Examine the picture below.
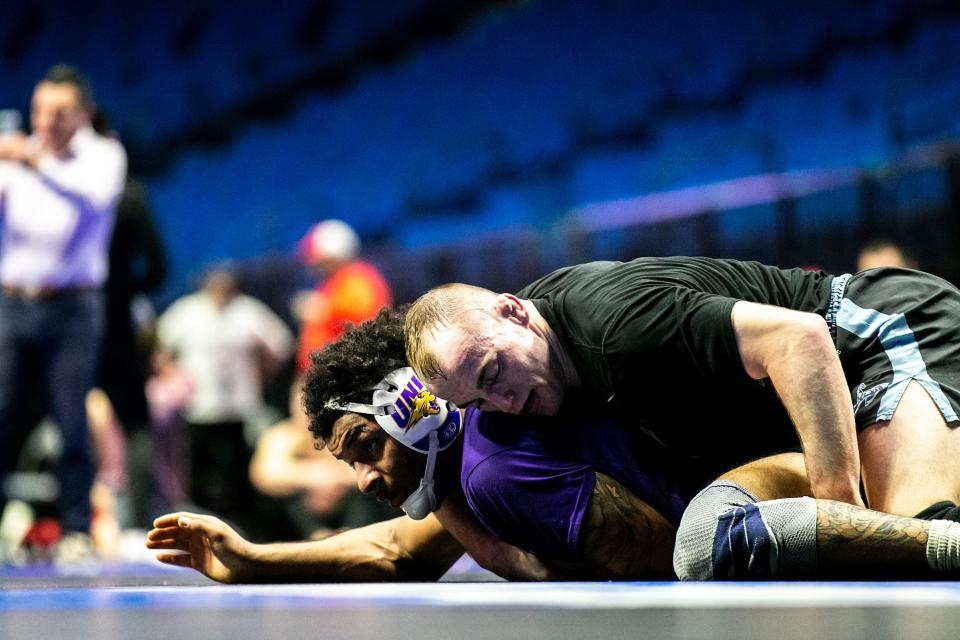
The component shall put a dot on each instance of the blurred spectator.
(137, 266)
(226, 343)
(881, 252)
(169, 390)
(58, 190)
(318, 493)
(110, 482)
(349, 291)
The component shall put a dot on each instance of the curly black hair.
(344, 369)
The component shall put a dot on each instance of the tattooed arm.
(853, 542)
(621, 538)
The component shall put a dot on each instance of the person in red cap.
(350, 290)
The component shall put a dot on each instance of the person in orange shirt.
(350, 290)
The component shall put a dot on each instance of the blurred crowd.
(112, 413)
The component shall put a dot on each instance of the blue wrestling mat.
(47, 603)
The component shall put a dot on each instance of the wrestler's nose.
(367, 477)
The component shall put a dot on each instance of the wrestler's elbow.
(812, 327)
(772, 340)
(807, 344)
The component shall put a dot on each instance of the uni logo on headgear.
(413, 404)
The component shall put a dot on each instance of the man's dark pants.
(62, 331)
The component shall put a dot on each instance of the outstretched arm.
(398, 550)
(795, 351)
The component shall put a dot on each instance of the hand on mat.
(201, 542)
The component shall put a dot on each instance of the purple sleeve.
(531, 501)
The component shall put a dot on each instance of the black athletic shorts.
(892, 326)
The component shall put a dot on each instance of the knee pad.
(725, 534)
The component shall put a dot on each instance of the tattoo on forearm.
(622, 535)
(841, 523)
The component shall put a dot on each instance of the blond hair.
(437, 309)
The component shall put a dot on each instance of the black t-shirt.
(654, 338)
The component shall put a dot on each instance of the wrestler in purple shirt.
(529, 480)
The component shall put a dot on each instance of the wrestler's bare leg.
(911, 461)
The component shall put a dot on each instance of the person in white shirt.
(226, 342)
(58, 190)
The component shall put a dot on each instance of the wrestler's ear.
(510, 308)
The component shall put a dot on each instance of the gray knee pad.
(725, 534)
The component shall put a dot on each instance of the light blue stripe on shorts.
(901, 348)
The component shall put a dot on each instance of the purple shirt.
(529, 480)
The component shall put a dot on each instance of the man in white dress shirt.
(227, 343)
(58, 190)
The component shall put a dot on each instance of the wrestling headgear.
(417, 419)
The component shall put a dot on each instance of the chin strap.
(423, 501)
